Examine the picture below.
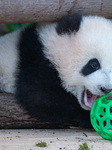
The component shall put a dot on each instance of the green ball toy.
(101, 116)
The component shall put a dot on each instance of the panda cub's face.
(94, 56)
(81, 50)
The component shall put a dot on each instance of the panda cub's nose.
(106, 91)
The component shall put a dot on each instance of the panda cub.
(57, 70)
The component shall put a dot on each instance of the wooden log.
(12, 116)
(12, 11)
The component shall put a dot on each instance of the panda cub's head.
(81, 50)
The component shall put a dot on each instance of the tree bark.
(12, 11)
(12, 116)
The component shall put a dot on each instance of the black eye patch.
(90, 67)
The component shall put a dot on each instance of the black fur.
(69, 23)
(90, 67)
(39, 88)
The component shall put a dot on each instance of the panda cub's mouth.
(88, 98)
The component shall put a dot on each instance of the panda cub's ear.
(69, 24)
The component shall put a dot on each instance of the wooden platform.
(61, 139)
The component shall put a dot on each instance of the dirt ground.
(60, 139)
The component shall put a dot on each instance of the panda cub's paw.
(85, 124)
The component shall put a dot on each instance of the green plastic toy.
(101, 116)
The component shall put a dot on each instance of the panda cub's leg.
(9, 60)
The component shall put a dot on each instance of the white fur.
(69, 53)
(8, 61)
